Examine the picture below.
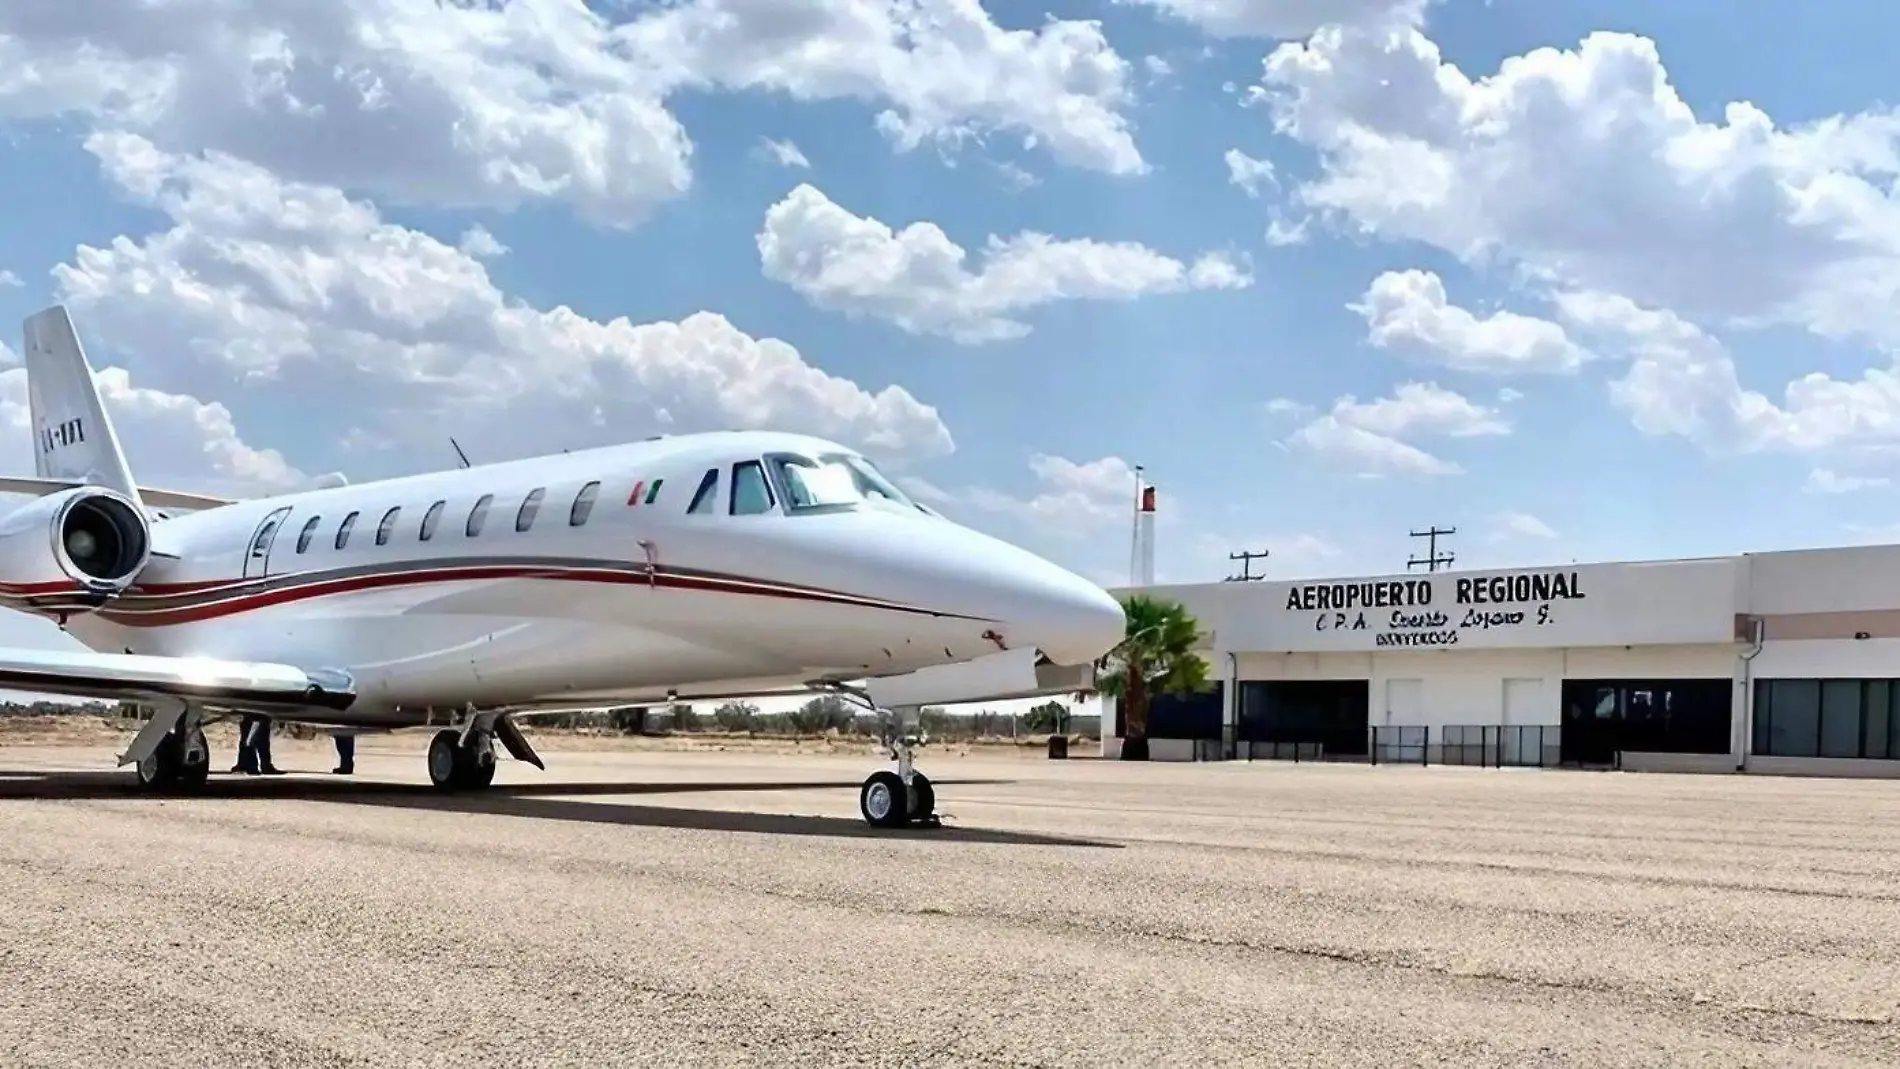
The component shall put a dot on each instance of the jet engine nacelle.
(87, 534)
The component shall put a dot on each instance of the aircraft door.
(257, 555)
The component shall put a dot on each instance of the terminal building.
(1785, 662)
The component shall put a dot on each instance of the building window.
(477, 515)
(431, 518)
(530, 505)
(583, 504)
(388, 525)
(1855, 718)
(343, 532)
(309, 531)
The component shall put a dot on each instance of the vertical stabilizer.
(73, 437)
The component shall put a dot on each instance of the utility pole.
(1246, 560)
(1432, 560)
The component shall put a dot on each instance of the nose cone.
(1068, 618)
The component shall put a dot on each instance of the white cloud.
(1248, 173)
(257, 278)
(1071, 498)
(784, 153)
(1827, 481)
(1586, 169)
(1280, 19)
(493, 105)
(1683, 381)
(9, 280)
(917, 278)
(480, 244)
(1369, 438)
(170, 440)
(1510, 525)
(947, 73)
(1409, 310)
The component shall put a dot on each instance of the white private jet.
(731, 564)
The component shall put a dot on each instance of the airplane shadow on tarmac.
(541, 801)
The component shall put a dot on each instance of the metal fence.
(1257, 750)
(1400, 745)
(1500, 745)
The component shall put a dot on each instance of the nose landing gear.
(895, 799)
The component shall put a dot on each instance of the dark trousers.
(345, 753)
(254, 744)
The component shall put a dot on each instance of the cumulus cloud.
(1585, 168)
(1409, 310)
(1828, 481)
(918, 279)
(1370, 438)
(1682, 381)
(493, 105)
(171, 440)
(257, 278)
(1280, 19)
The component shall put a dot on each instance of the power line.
(1432, 559)
(1246, 560)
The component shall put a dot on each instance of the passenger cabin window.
(706, 498)
(389, 524)
(530, 505)
(343, 532)
(431, 518)
(478, 515)
(751, 493)
(308, 532)
(583, 504)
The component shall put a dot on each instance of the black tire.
(160, 770)
(881, 800)
(923, 799)
(445, 761)
(194, 761)
(480, 773)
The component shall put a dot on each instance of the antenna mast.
(458, 450)
(1246, 559)
(1432, 560)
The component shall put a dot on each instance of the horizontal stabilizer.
(251, 686)
(173, 499)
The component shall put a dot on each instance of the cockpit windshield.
(835, 479)
(810, 484)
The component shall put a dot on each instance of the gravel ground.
(730, 909)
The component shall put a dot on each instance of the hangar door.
(1335, 713)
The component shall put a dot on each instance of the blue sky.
(1578, 344)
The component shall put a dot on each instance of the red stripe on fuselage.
(129, 613)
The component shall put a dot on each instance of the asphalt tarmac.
(732, 910)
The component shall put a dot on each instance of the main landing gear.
(463, 758)
(893, 799)
(171, 751)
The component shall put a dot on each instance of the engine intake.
(86, 536)
(102, 540)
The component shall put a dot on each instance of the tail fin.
(73, 436)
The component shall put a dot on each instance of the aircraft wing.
(245, 686)
(173, 499)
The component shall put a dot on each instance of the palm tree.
(1156, 657)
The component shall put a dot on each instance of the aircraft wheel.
(194, 766)
(445, 761)
(161, 767)
(481, 770)
(882, 800)
(923, 799)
